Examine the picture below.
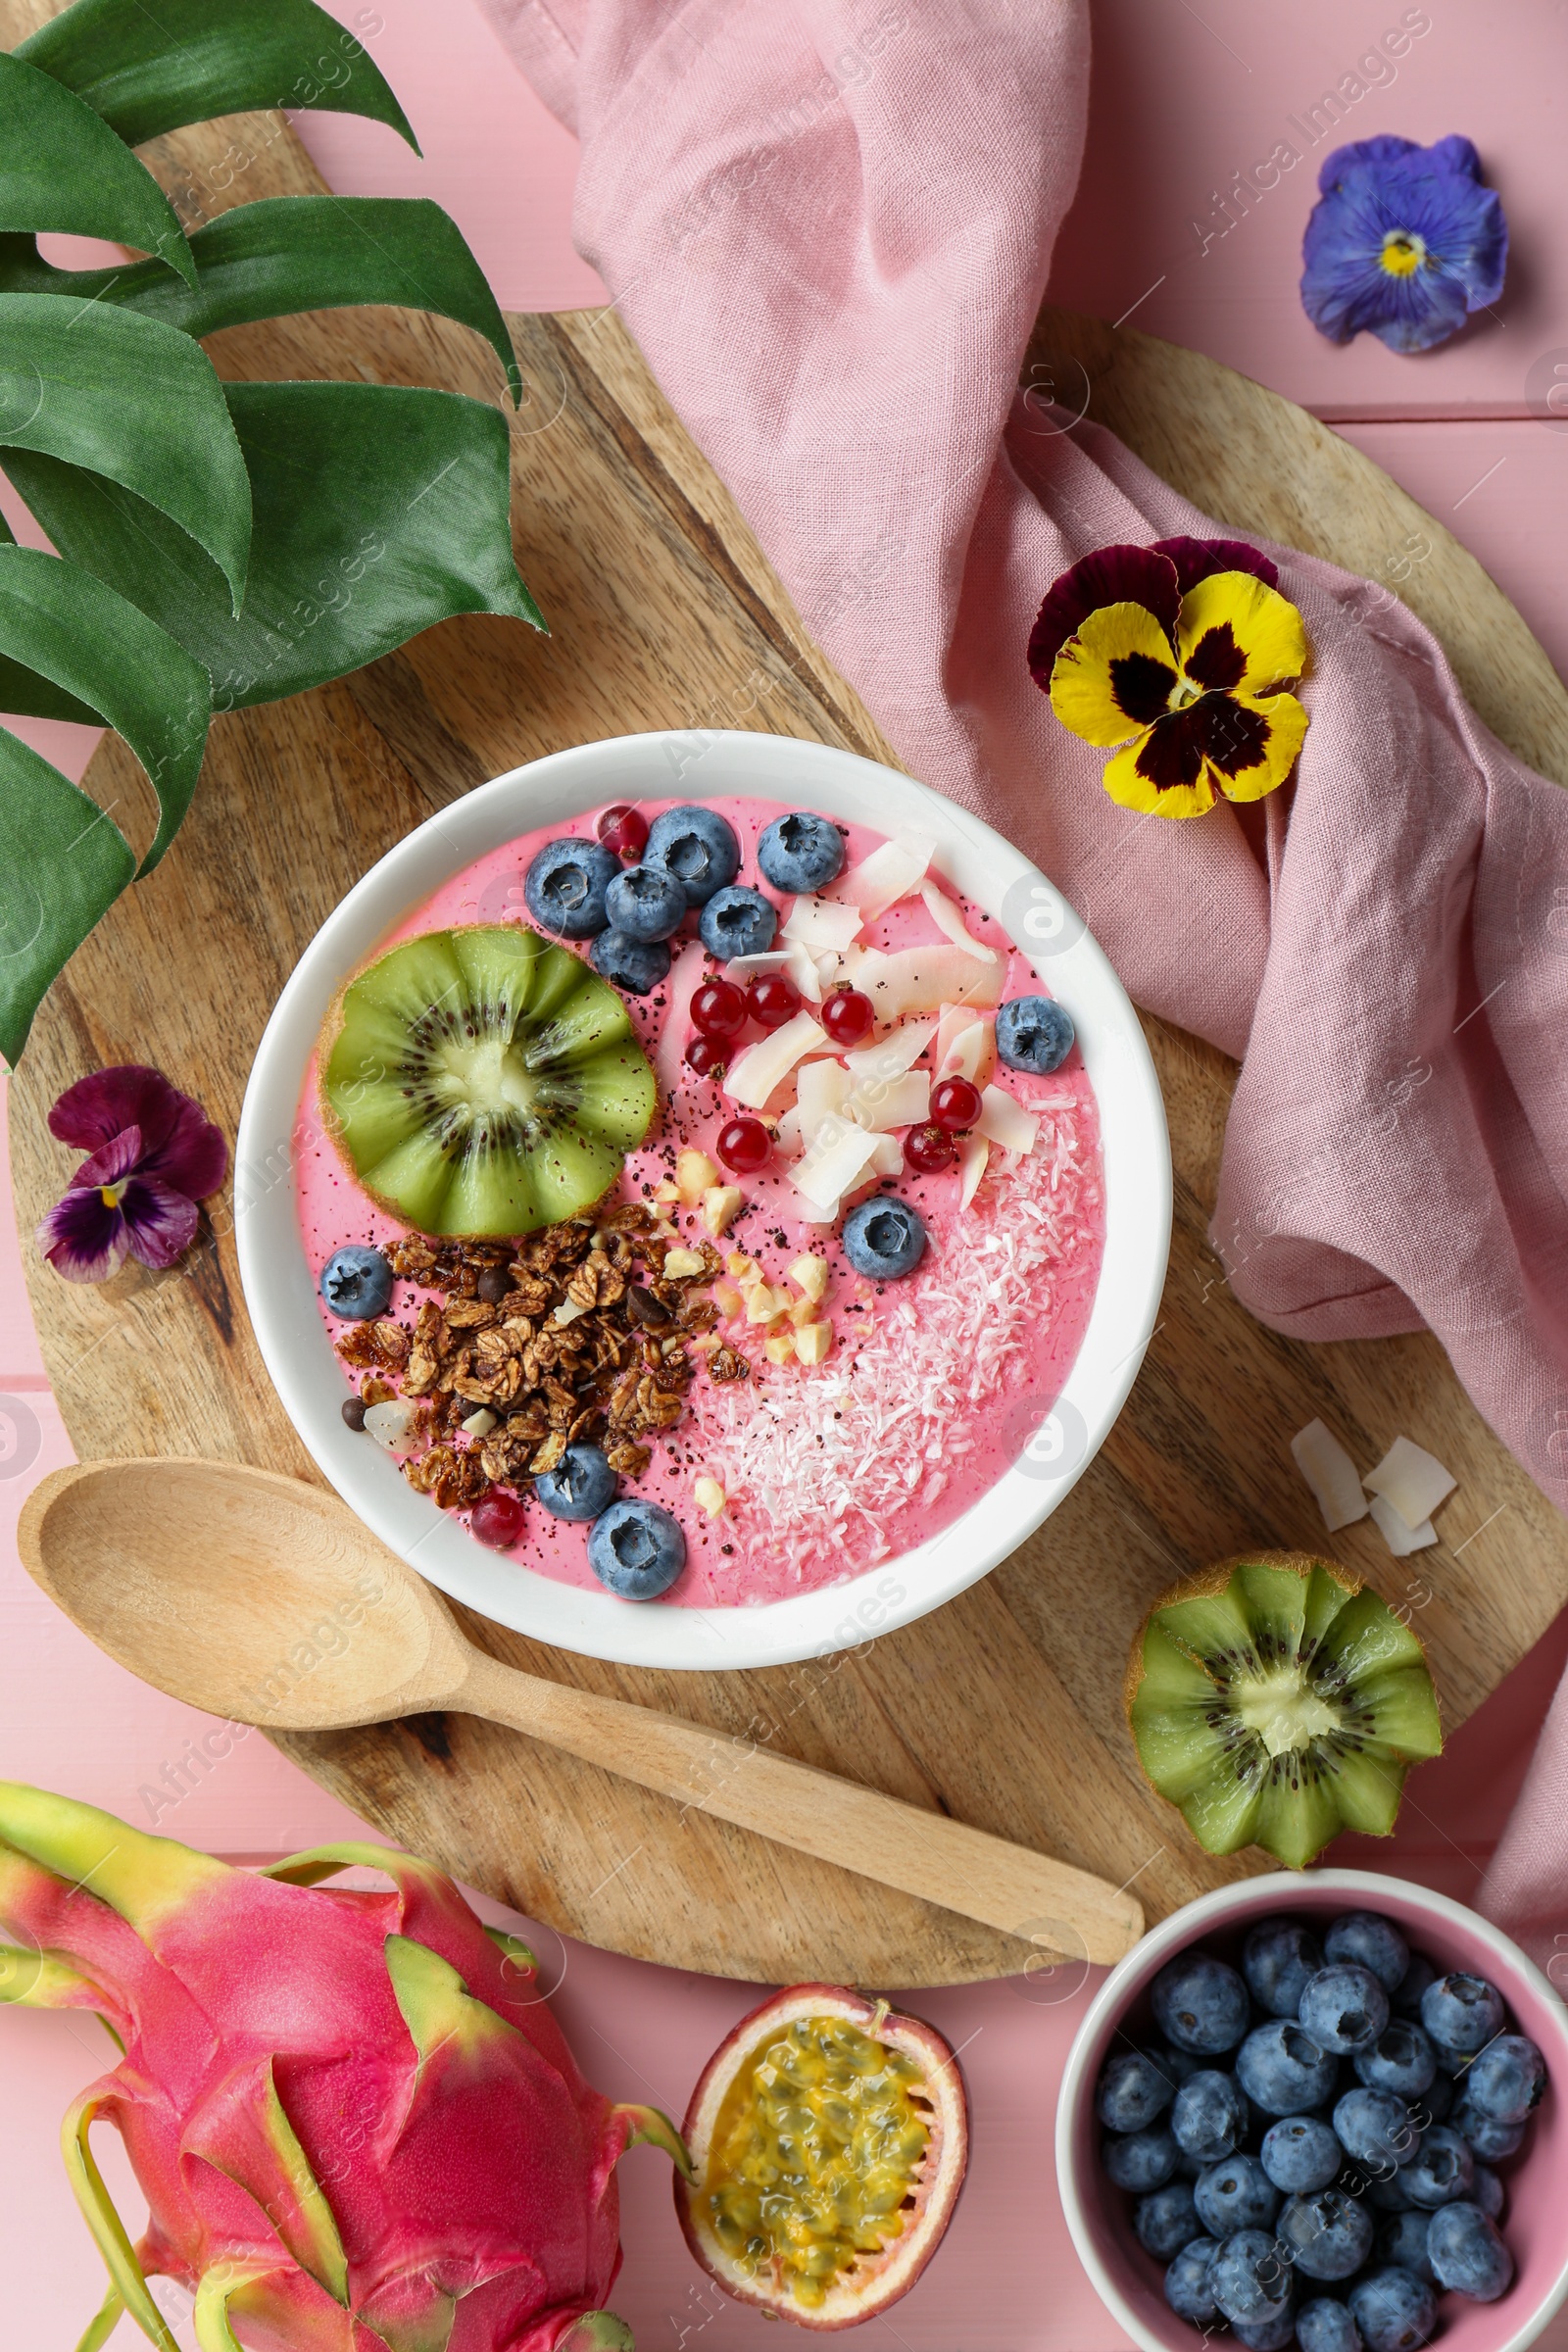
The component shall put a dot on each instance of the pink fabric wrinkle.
(829, 227)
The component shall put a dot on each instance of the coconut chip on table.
(1405, 1488)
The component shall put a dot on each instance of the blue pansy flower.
(1403, 241)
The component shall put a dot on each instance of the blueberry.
(1034, 1033)
(1375, 2128)
(1406, 1998)
(1437, 2099)
(1464, 2248)
(1186, 2283)
(883, 1238)
(1168, 2221)
(1277, 1959)
(1507, 2078)
(1201, 2004)
(637, 1549)
(1344, 2008)
(1282, 2069)
(1393, 2310)
(634, 964)
(1131, 2090)
(1328, 2233)
(1486, 2191)
(800, 852)
(1384, 2188)
(1140, 2161)
(1236, 2194)
(1443, 2172)
(1487, 2138)
(1401, 2059)
(1210, 2116)
(1461, 2013)
(1370, 1941)
(698, 848)
(565, 884)
(1301, 2152)
(646, 903)
(357, 1281)
(1271, 2334)
(1177, 2066)
(1250, 2277)
(1402, 2241)
(737, 922)
(580, 1485)
(1324, 2325)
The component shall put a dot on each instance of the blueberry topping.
(1402, 2241)
(1237, 2194)
(634, 964)
(1486, 2191)
(646, 903)
(1484, 2135)
(1283, 2071)
(1370, 1941)
(1406, 1999)
(1401, 2059)
(1467, 2253)
(698, 846)
(1201, 2004)
(738, 921)
(565, 884)
(1271, 2334)
(1277, 1959)
(1168, 2221)
(1393, 2310)
(800, 852)
(1186, 2283)
(357, 1281)
(1250, 2277)
(580, 1485)
(1034, 1033)
(1329, 2235)
(1506, 2081)
(1374, 2127)
(1461, 2013)
(1140, 2160)
(1210, 2116)
(884, 1239)
(637, 1549)
(1442, 2172)
(1324, 2325)
(1132, 2092)
(1344, 2008)
(1300, 2153)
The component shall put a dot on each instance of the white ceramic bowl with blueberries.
(1325, 2111)
(559, 790)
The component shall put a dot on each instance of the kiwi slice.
(483, 1081)
(1277, 1702)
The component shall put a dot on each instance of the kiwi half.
(1277, 1702)
(483, 1081)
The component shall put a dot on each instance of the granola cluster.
(592, 1330)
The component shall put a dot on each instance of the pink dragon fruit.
(357, 2125)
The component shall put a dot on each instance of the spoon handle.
(1050, 1905)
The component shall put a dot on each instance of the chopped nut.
(569, 1312)
(744, 1268)
(662, 1233)
(725, 1364)
(728, 1300)
(706, 1341)
(765, 1304)
(811, 1274)
(803, 1311)
(780, 1348)
(710, 1496)
(480, 1424)
(695, 1174)
(666, 1192)
(550, 1453)
(681, 1264)
(813, 1341)
(721, 1205)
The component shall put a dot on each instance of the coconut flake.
(1003, 1120)
(970, 1051)
(973, 1152)
(838, 1159)
(949, 918)
(753, 1075)
(904, 1103)
(821, 928)
(925, 979)
(890, 1055)
(889, 874)
(1412, 1480)
(1399, 1536)
(1330, 1474)
(684, 979)
(887, 1155)
(820, 1087)
(390, 1422)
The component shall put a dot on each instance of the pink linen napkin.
(828, 225)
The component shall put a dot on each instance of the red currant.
(773, 1000)
(743, 1146)
(718, 1009)
(956, 1105)
(624, 830)
(706, 1056)
(848, 1016)
(929, 1149)
(498, 1521)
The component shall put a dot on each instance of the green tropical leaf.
(116, 665)
(63, 863)
(151, 70)
(379, 510)
(285, 253)
(131, 400)
(61, 168)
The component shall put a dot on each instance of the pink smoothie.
(933, 1384)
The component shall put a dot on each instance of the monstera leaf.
(217, 545)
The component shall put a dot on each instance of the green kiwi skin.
(560, 1034)
(1368, 1667)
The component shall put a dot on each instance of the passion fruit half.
(828, 2137)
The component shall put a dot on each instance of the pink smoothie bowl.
(1534, 2220)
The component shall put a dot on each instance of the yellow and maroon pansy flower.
(1176, 655)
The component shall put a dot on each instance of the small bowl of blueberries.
(1326, 2111)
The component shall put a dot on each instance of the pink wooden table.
(1184, 96)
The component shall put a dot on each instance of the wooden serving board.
(1004, 1709)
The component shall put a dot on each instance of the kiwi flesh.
(483, 1082)
(1277, 1701)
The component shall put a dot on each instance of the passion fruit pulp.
(828, 2137)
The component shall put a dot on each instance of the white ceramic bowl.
(1536, 2220)
(309, 1378)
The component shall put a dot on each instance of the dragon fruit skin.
(357, 2125)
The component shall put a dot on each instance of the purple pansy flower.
(1403, 241)
(155, 1154)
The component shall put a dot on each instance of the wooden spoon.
(260, 1599)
